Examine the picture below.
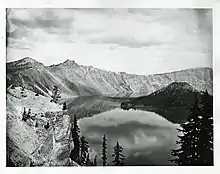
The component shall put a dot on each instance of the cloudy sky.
(141, 41)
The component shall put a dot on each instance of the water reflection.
(147, 138)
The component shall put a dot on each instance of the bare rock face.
(61, 143)
(47, 143)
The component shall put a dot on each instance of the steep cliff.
(79, 80)
(30, 143)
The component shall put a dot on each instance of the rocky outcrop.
(78, 80)
(61, 143)
(40, 146)
(31, 144)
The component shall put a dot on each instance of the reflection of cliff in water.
(87, 106)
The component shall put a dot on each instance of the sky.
(140, 41)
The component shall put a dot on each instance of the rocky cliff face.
(30, 143)
(78, 80)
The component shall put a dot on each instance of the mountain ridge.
(117, 72)
(80, 80)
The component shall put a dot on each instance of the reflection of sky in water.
(146, 137)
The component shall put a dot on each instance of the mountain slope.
(78, 80)
(176, 94)
(172, 102)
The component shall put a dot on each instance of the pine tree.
(74, 155)
(24, 115)
(88, 161)
(36, 124)
(55, 94)
(196, 134)
(95, 161)
(29, 113)
(118, 156)
(23, 92)
(64, 106)
(84, 149)
(47, 125)
(206, 132)
(104, 151)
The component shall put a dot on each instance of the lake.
(147, 138)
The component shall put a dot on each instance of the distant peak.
(69, 62)
(28, 59)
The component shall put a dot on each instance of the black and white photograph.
(109, 87)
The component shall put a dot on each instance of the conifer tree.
(74, 155)
(118, 156)
(29, 113)
(24, 115)
(23, 92)
(88, 161)
(55, 94)
(84, 149)
(104, 151)
(36, 124)
(95, 161)
(196, 135)
(205, 147)
(64, 106)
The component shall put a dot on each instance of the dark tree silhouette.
(118, 156)
(95, 161)
(64, 106)
(36, 124)
(32, 164)
(24, 115)
(88, 161)
(29, 113)
(23, 92)
(55, 94)
(84, 148)
(74, 155)
(104, 151)
(196, 137)
(47, 125)
(205, 147)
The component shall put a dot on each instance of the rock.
(61, 143)
(27, 144)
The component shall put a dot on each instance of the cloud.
(128, 42)
(18, 33)
(113, 35)
(41, 18)
(38, 24)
